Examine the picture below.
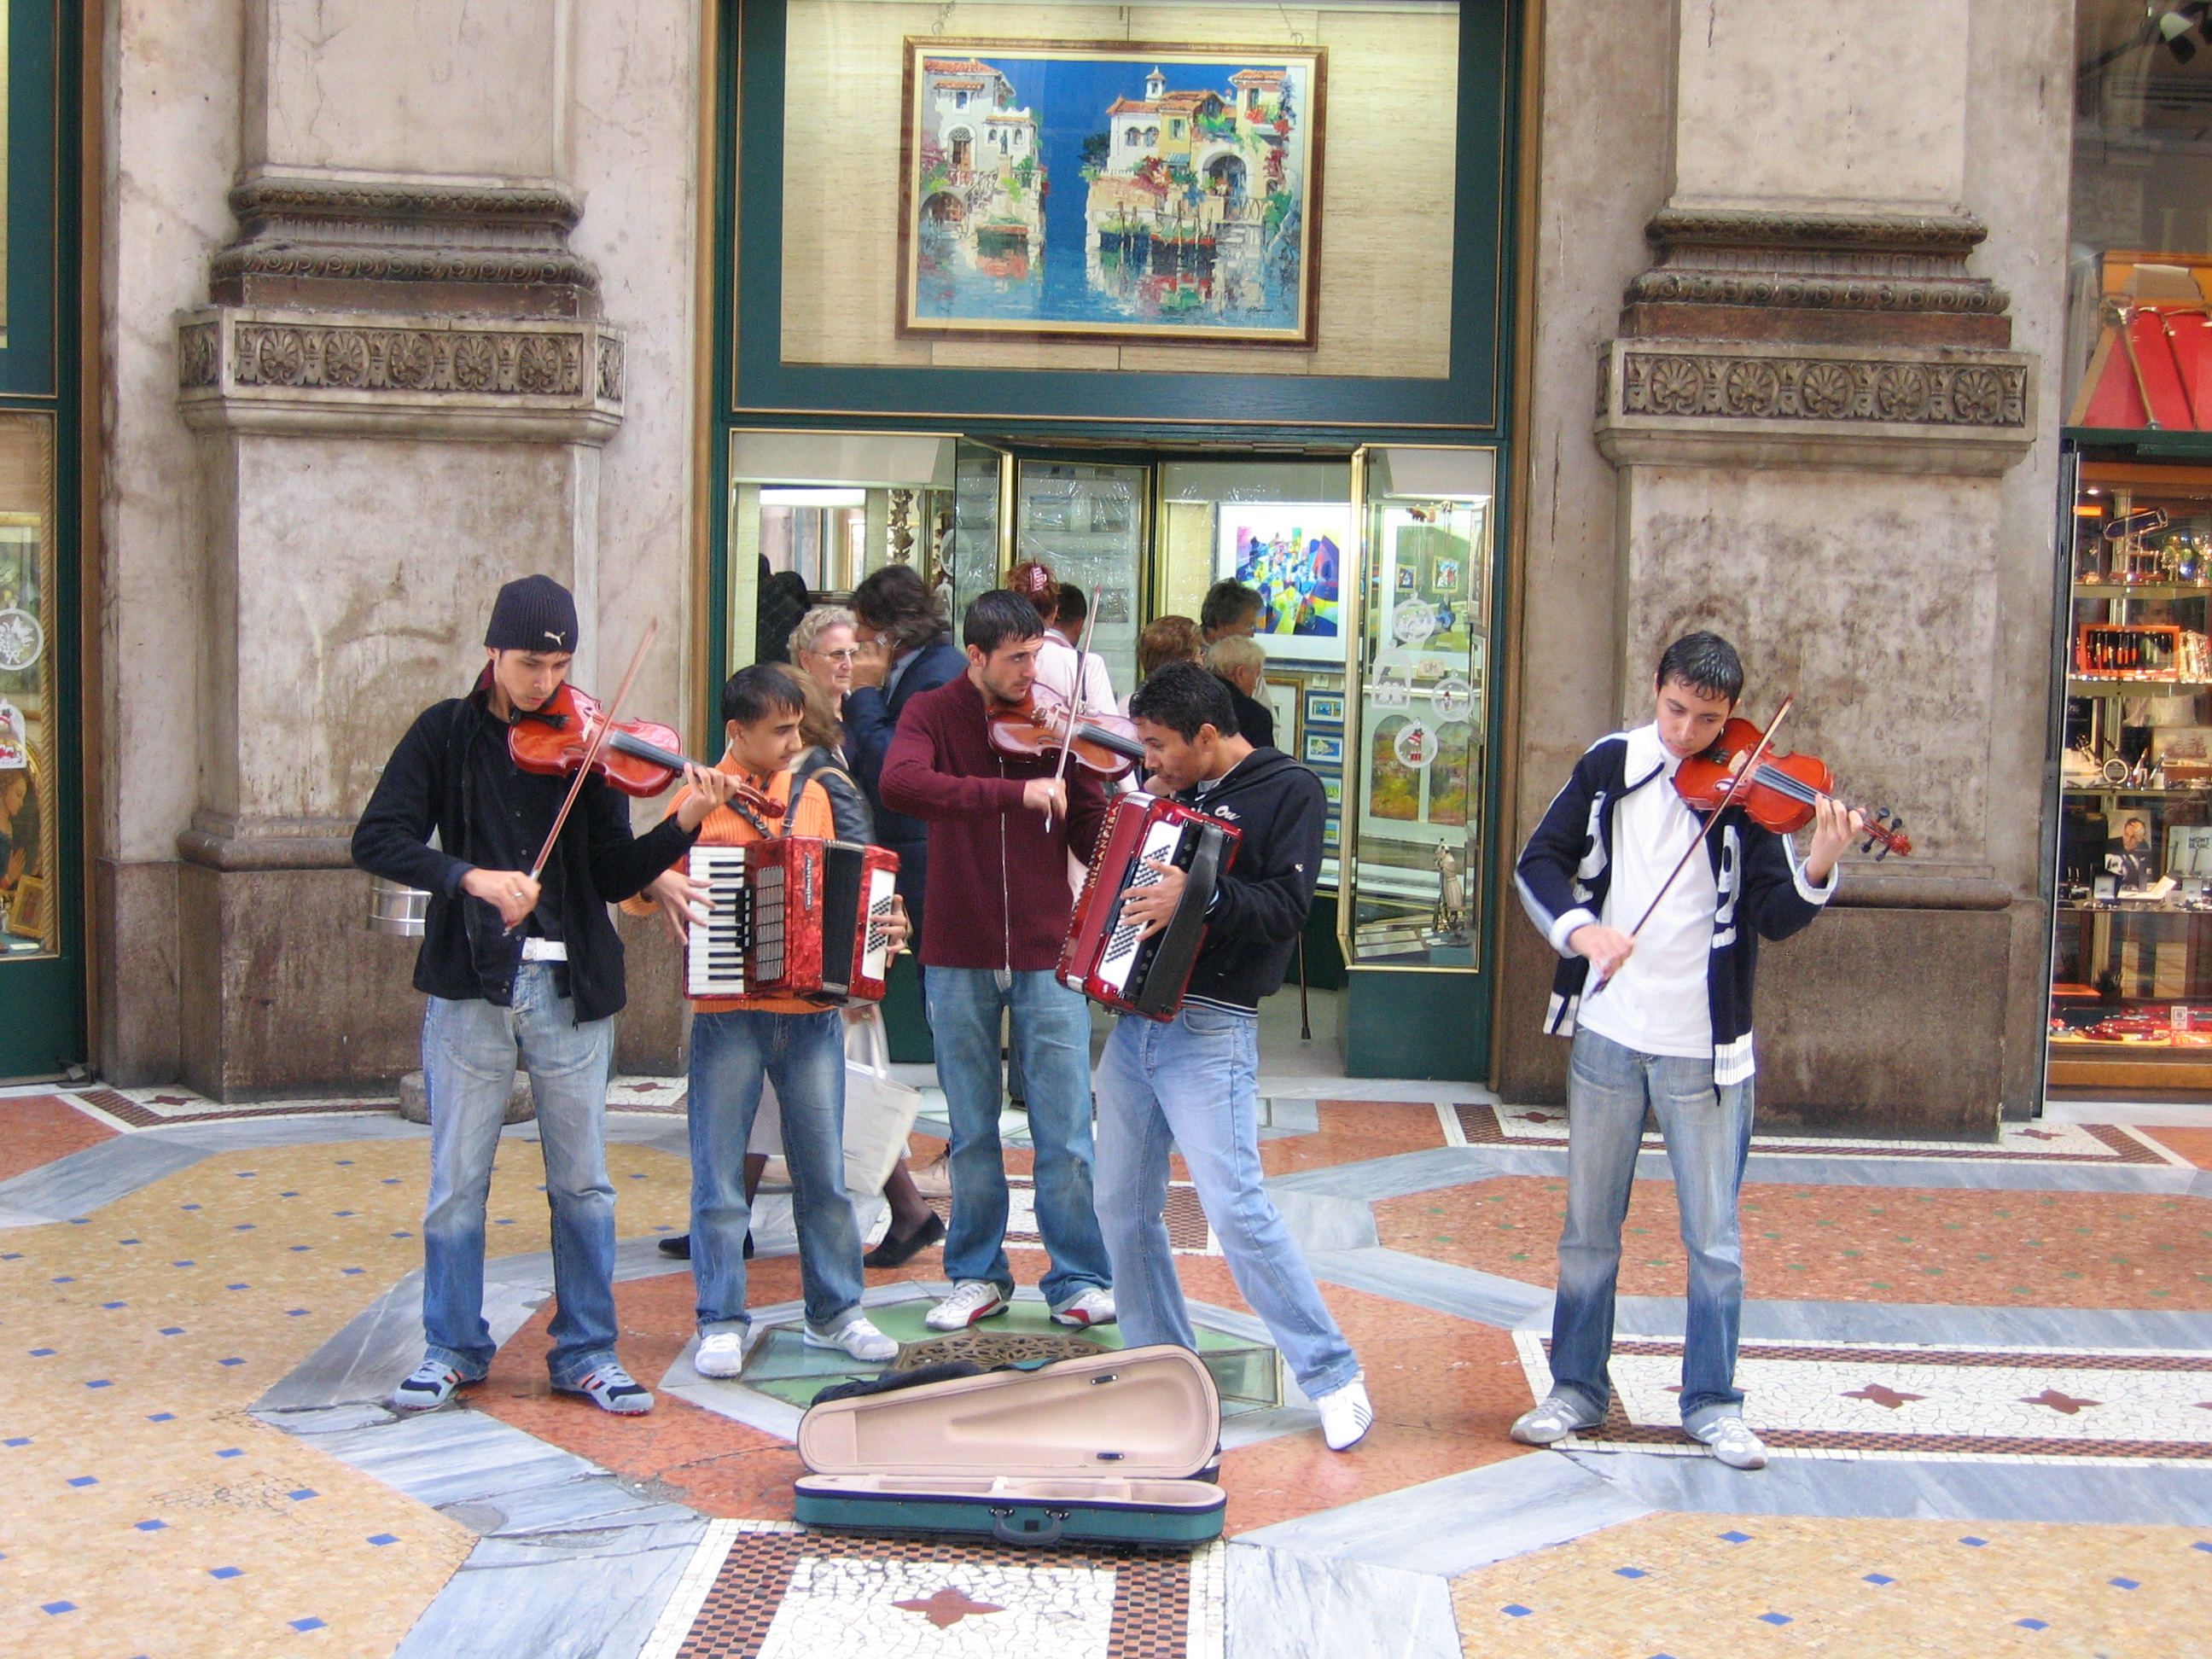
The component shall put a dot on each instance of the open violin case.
(1104, 1448)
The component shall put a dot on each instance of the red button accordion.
(797, 916)
(1104, 958)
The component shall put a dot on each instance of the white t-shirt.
(1656, 1004)
(1058, 668)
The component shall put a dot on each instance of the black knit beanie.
(534, 613)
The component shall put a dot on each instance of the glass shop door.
(1090, 522)
(1415, 866)
(41, 950)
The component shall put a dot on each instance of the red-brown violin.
(1781, 792)
(1105, 743)
(639, 758)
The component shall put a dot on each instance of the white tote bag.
(879, 1109)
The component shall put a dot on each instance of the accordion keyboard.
(1119, 959)
(715, 957)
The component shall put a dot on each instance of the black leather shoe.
(896, 1251)
(678, 1245)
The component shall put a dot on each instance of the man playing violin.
(1665, 1025)
(517, 965)
(1001, 828)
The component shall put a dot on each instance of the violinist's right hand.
(511, 892)
(1608, 948)
(682, 901)
(1046, 795)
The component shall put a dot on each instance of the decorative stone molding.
(1726, 402)
(555, 380)
(403, 243)
(218, 841)
(1843, 279)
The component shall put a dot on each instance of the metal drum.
(393, 908)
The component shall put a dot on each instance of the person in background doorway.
(1080, 679)
(905, 649)
(783, 600)
(1166, 639)
(1240, 663)
(1230, 608)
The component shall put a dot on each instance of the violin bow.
(1736, 787)
(1074, 704)
(598, 742)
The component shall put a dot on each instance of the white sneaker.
(972, 1299)
(1346, 1415)
(1732, 1442)
(1550, 1419)
(1093, 1307)
(721, 1353)
(858, 1338)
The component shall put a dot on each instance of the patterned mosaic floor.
(155, 1515)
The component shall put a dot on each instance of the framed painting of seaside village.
(1119, 189)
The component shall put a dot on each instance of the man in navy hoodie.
(1665, 1025)
(1192, 1084)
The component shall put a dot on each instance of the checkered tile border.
(1152, 1593)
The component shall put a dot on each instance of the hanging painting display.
(1119, 189)
(1291, 553)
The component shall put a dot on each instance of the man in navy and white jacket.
(1665, 1024)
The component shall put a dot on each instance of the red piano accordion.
(797, 916)
(1104, 958)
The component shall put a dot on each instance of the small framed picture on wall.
(1324, 708)
(1324, 749)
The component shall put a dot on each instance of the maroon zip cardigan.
(998, 880)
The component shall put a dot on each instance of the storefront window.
(1086, 524)
(2141, 264)
(30, 872)
(1418, 765)
(812, 513)
(1284, 528)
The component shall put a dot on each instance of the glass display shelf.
(2142, 590)
(2173, 792)
(2078, 687)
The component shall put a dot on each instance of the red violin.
(1105, 743)
(1780, 792)
(639, 758)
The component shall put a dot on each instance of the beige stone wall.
(1386, 224)
(1910, 613)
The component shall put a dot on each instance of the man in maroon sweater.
(1000, 830)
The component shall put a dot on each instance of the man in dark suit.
(905, 648)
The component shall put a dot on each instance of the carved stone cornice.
(553, 380)
(1726, 403)
(403, 243)
(1841, 278)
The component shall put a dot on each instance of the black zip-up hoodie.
(1260, 906)
(436, 781)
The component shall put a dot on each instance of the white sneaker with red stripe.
(972, 1299)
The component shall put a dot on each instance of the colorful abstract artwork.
(1092, 188)
(1291, 553)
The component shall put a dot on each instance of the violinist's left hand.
(710, 787)
(1835, 826)
(1153, 907)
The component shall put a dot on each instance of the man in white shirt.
(1661, 1019)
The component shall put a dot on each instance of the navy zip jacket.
(1566, 869)
(1260, 906)
(871, 721)
(451, 773)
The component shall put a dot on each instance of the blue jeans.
(1193, 1084)
(806, 1055)
(1708, 1135)
(1052, 1032)
(469, 1053)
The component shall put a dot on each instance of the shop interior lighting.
(784, 496)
